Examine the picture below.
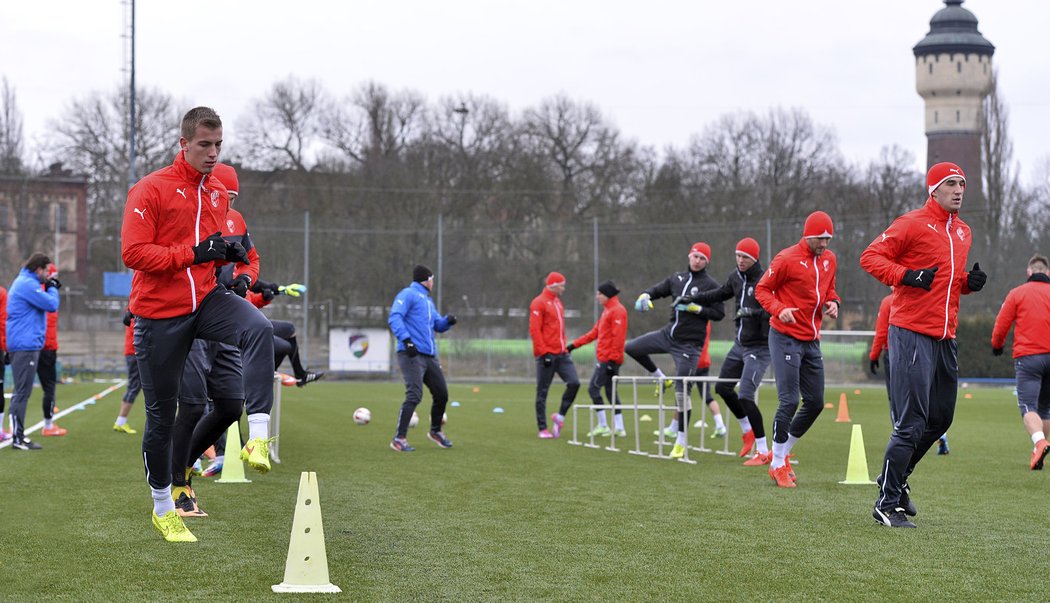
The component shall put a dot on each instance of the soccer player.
(1028, 306)
(4, 436)
(134, 383)
(703, 369)
(46, 366)
(797, 290)
(414, 319)
(172, 238)
(683, 336)
(27, 304)
(611, 333)
(923, 256)
(879, 348)
(748, 359)
(547, 330)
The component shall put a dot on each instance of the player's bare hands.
(787, 315)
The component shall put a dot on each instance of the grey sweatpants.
(23, 370)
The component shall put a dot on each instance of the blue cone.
(497, 409)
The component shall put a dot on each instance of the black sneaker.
(187, 507)
(894, 518)
(309, 378)
(906, 503)
(25, 444)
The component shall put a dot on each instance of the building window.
(957, 117)
(61, 217)
(931, 68)
(958, 67)
(5, 217)
(935, 116)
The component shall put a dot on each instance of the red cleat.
(780, 476)
(759, 459)
(1040, 452)
(749, 443)
(54, 430)
(791, 470)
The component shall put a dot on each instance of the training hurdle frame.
(703, 385)
(275, 420)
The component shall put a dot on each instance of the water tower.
(953, 73)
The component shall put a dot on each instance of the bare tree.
(1002, 191)
(11, 150)
(374, 124)
(283, 130)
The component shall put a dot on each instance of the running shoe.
(256, 452)
(401, 445)
(599, 431)
(172, 528)
(125, 428)
(749, 442)
(439, 438)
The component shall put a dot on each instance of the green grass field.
(505, 516)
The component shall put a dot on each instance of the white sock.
(602, 420)
(121, 421)
(745, 424)
(681, 438)
(673, 425)
(162, 502)
(1037, 436)
(259, 426)
(218, 459)
(618, 420)
(779, 454)
(719, 424)
(761, 446)
(48, 423)
(559, 417)
(790, 444)
(658, 373)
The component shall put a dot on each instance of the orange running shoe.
(759, 459)
(1040, 452)
(749, 442)
(780, 476)
(55, 430)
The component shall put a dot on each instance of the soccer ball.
(362, 416)
(414, 420)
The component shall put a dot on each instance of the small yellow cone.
(843, 410)
(232, 466)
(306, 570)
(968, 396)
(857, 465)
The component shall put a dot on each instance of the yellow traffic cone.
(857, 465)
(232, 466)
(306, 570)
(843, 410)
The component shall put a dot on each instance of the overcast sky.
(660, 70)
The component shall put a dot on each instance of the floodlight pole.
(131, 105)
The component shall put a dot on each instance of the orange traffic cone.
(843, 410)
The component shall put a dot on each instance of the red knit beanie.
(702, 248)
(555, 278)
(748, 247)
(818, 224)
(941, 172)
(227, 176)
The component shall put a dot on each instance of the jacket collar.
(419, 287)
(804, 247)
(186, 171)
(754, 270)
(612, 301)
(547, 293)
(1039, 277)
(939, 212)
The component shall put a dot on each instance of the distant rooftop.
(953, 29)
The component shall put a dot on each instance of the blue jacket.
(414, 316)
(27, 306)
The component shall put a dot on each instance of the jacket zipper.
(197, 238)
(951, 256)
(813, 317)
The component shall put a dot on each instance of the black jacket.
(752, 329)
(686, 326)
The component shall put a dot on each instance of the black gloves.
(410, 349)
(997, 351)
(240, 284)
(451, 318)
(236, 253)
(54, 282)
(745, 312)
(268, 294)
(570, 347)
(7, 358)
(547, 359)
(923, 278)
(977, 278)
(210, 249)
(875, 367)
(127, 318)
(260, 286)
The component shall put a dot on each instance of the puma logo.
(140, 212)
(211, 245)
(804, 264)
(932, 227)
(884, 237)
(179, 191)
(920, 275)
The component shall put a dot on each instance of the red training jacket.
(923, 238)
(1029, 307)
(167, 213)
(547, 324)
(882, 329)
(236, 230)
(3, 319)
(129, 339)
(610, 331)
(798, 279)
(51, 334)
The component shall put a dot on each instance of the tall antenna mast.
(129, 56)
